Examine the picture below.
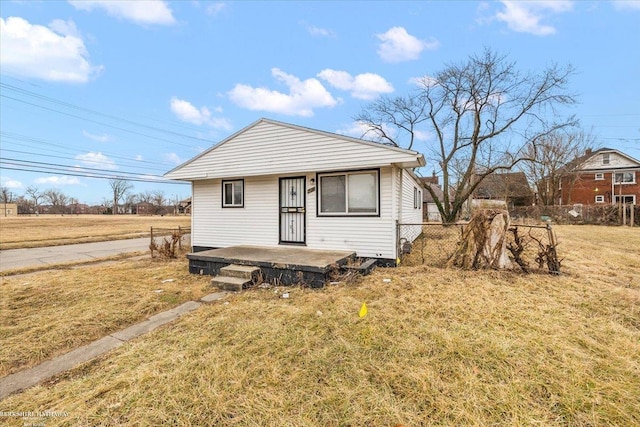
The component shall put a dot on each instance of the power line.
(87, 172)
(27, 169)
(25, 138)
(94, 112)
(60, 157)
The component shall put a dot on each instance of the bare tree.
(57, 199)
(145, 197)
(35, 195)
(130, 200)
(159, 201)
(556, 158)
(119, 188)
(6, 195)
(482, 112)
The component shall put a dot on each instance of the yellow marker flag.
(363, 310)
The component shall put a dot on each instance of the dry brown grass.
(438, 347)
(51, 230)
(49, 313)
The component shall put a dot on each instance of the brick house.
(604, 176)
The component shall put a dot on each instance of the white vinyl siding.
(255, 224)
(269, 148)
(258, 222)
(369, 236)
(408, 213)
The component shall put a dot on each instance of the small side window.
(599, 176)
(233, 194)
(599, 199)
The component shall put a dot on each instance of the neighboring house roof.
(590, 161)
(504, 185)
(269, 147)
(426, 196)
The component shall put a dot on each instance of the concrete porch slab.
(285, 264)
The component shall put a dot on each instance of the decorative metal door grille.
(292, 210)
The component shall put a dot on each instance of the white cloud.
(173, 158)
(214, 8)
(139, 157)
(626, 5)
(422, 135)
(302, 98)
(141, 12)
(363, 86)
(397, 45)
(98, 138)
(319, 32)
(96, 160)
(40, 52)
(58, 180)
(526, 16)
(66, 28)
(187, 112)
(5, 181)
(424, 81)
(355, 129)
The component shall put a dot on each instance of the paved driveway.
(20, 258)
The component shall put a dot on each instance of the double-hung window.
(349, 193)
(233, 194)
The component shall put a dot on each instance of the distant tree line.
(122, 201)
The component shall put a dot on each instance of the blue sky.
(135, 88)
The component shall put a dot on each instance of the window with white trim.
(625, 177)
(605, 158)
(599, 176)
(626, 198)
(233, 194)
(349, 193)
(600, 199)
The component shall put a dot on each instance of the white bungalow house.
(273, 184)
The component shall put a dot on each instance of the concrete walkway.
(32, 376)
(20, 258)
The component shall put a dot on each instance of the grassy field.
(438, 347)
(51, 230)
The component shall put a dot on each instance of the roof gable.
(269, 147)
(594, 160)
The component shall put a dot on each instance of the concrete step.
(229, 283)
(242, 271)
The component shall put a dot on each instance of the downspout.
(399, 220)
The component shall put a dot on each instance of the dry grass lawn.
(438, 347)
(52, 312)
(51, 230)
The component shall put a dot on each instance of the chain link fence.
(627, 214)
(532, 248)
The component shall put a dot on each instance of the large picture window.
(349, 193)
(233, 194)
(625, 177)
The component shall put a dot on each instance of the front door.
(292, 210)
